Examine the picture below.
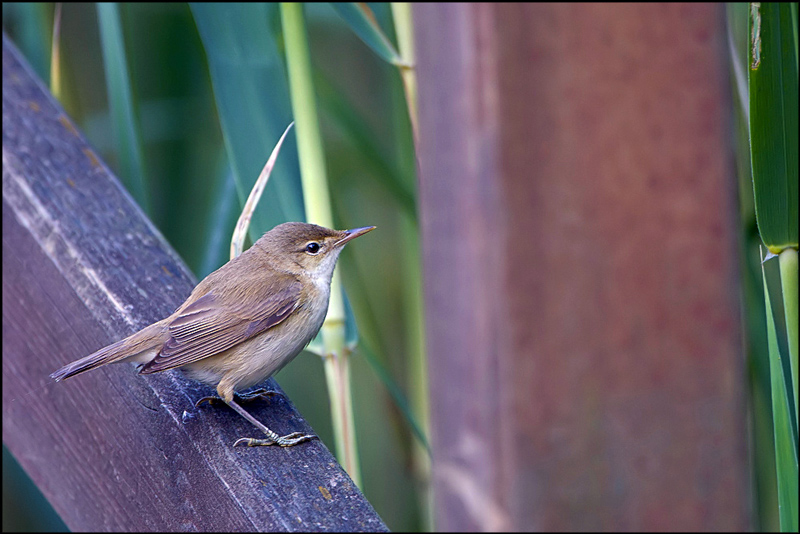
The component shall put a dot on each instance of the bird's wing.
(212, 324)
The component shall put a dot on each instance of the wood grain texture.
(112, 450)
(579, 243)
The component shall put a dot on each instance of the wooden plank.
(112, 450)
(579, 241)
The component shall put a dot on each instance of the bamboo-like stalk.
(401, 12)
(404, 28)
(420, 397)
(788, 265)
(316, 197)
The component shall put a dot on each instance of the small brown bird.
(243, 322)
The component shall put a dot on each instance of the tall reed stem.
(316, 196)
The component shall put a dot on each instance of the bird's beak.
(352, 234)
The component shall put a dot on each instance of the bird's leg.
(274, 439)
(244, 398)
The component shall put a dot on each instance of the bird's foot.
(284, 441)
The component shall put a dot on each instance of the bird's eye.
(312, 248)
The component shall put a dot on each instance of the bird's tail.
(138, 347)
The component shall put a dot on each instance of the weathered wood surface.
(111, 450)
(586, 361)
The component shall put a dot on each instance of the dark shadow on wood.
(112, 450)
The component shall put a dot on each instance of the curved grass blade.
(243, 224)
(55, 56)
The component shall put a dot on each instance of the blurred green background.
(193, 188)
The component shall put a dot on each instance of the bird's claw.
(210, 400)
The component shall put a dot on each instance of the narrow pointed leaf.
(785, 444)
(243, 224)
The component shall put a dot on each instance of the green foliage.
(773, 127)
(774, 121)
